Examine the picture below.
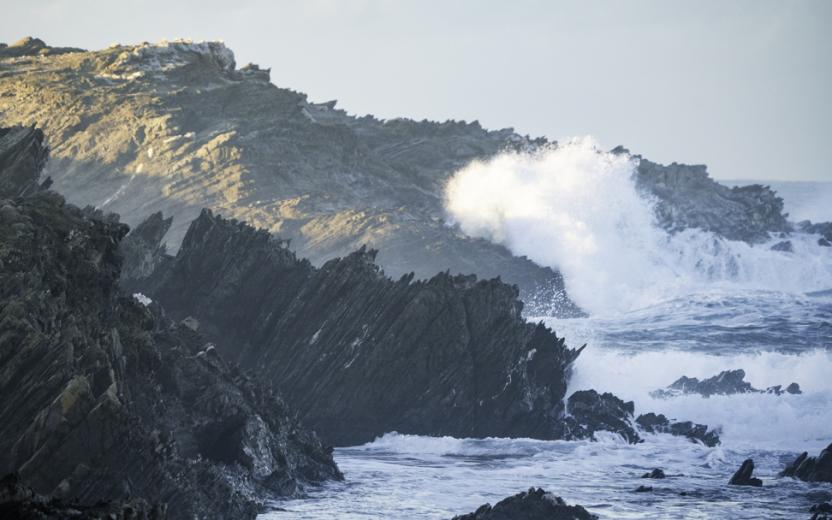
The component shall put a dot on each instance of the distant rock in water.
(589, 412)
(688, 198)
(785, 246)
(534, 504)
(652, 423)
(744, 476)
(811, 469)
(358, 354)
(105, 398)
(19, 502)
(656, 473)
(728, 382)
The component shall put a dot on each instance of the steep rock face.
(143, 249)
(176, 127)
(686, 197)
(359, 354)
(22, 157)
(105, 398)
(811, 469)
(534, 504)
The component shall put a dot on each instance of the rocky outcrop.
(143, 250)
(177, 127)
(686, 197)
(359, 354)
(534, 504)
(104, 397)
(811, 469)
(20, 502)
(824, 229)
(728, 382)
(22, 157)
(821, 511)
(652, 423)
(589, 412)
(744, 475)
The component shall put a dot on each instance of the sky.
(742, 86)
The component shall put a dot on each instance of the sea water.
(688, 304)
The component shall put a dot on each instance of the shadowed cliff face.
(358, 354)
(104, 397)
(175, 127)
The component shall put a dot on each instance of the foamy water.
(661, 307)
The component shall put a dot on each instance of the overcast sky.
(744, 86)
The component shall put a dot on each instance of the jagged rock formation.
(143, 249)
(534, 504)
(20, 502)
(686, 197)
(821, 511)
(589, 412)
(177, 127)
(744, 475)
(652, 423)
(727, 382)
(811, 469)
(359, 354)
(105, 398)
(824, 229)
(22, 157)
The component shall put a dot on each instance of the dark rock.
(589, 412)
(689, 198)
(824, 242)
(824, 229)
(534, 504)
(143, 250)
(652, 423)
(656, 473)
(811, 469)
(728, 382)
(743, 476)
(22, 157)
(358, 354)
(644, 489)
(821, 511)
(794, 389)
(784, 246)
(22, 503)
(104, 397)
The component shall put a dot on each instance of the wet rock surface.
(105, 398)
(359, 354)
(811, 469)
(590, 412)
(728, 382)
(657, 473)
(653, 423)
(534, 504)
(686, 197)
(744, 476)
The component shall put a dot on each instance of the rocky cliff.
(359, 354)
(176, 127)
(104, 397)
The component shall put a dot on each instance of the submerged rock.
(644, 489)
(744, 475)
(534, 504)
(728, 382)
(811, 469)
(784, 246)
(656, 473)
(358, 354)
(104, 397)
(652, 423)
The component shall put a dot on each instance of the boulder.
(534, 504)
(744, 475)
